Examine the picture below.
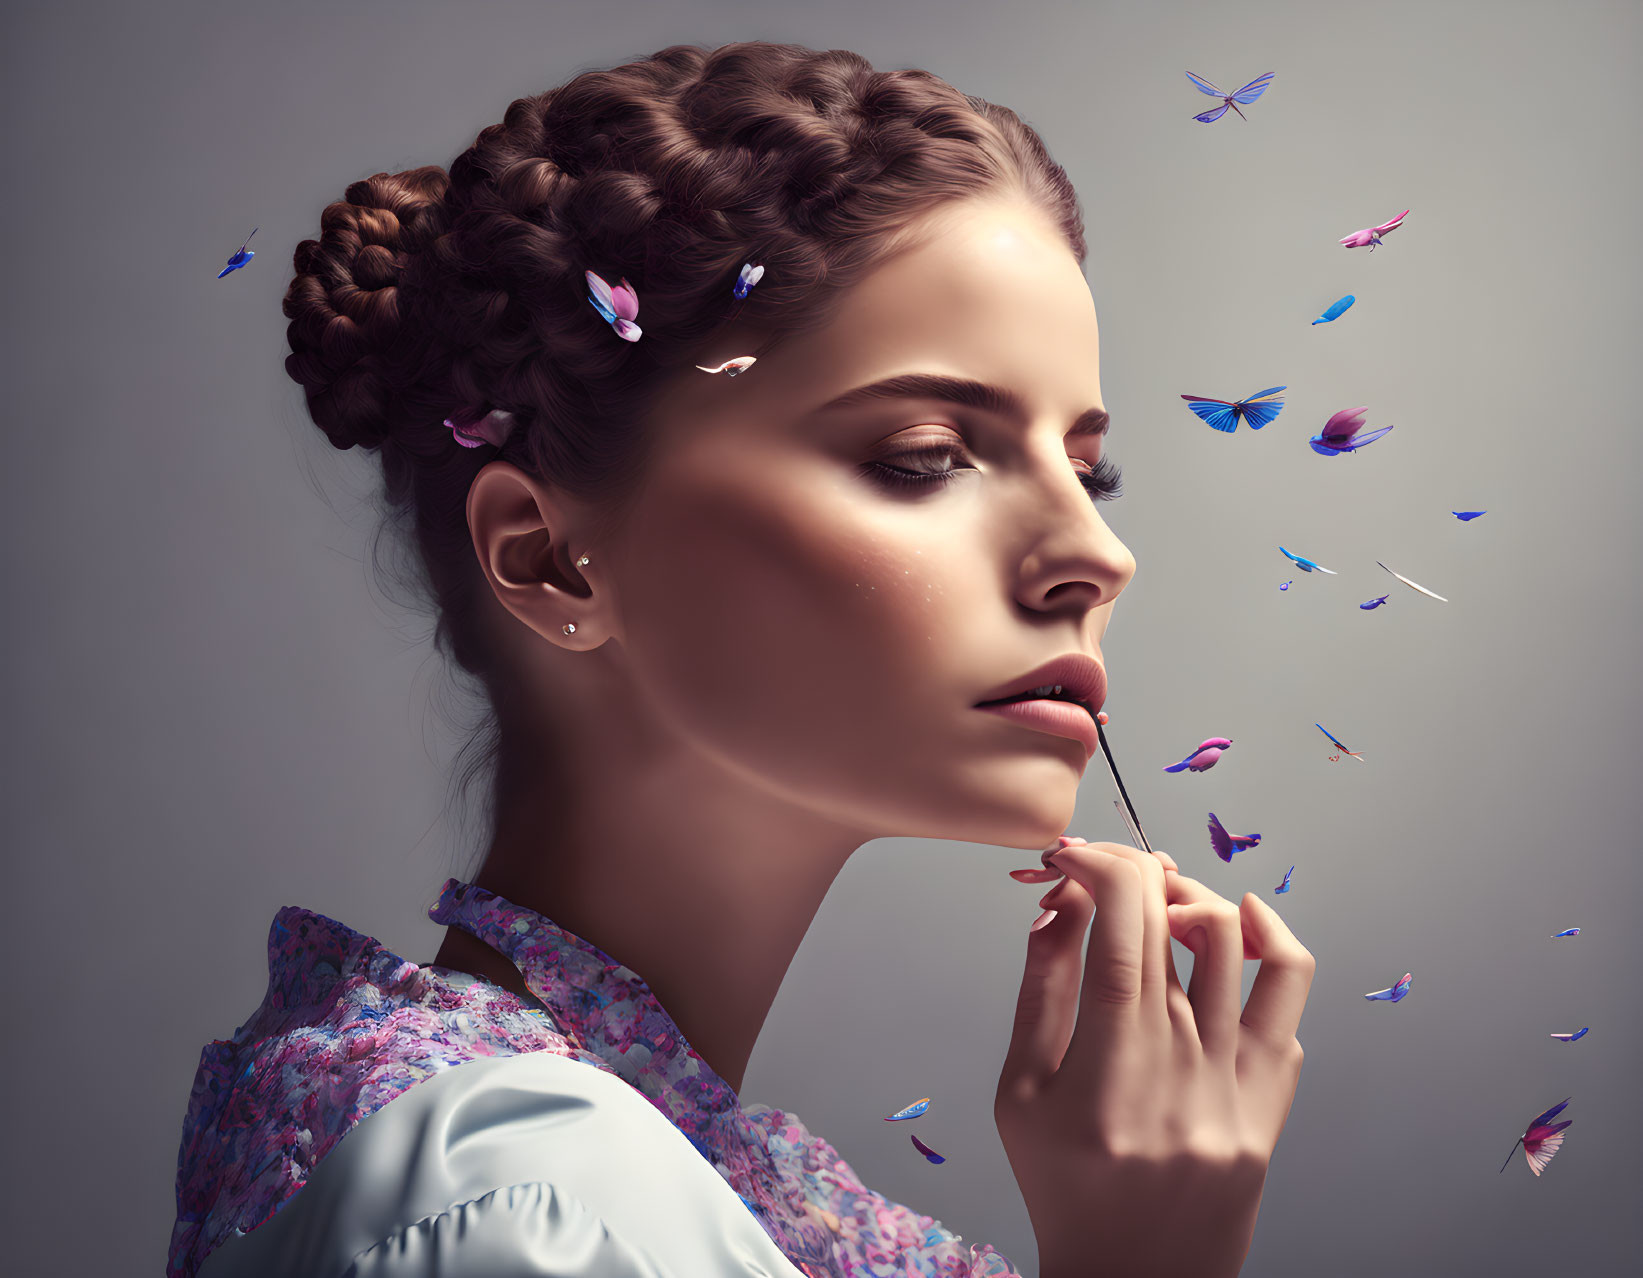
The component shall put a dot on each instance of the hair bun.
(351, 350)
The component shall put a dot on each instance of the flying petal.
(926, 1150)
(1336, 309)
(1414, 585)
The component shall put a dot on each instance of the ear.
(523, 532)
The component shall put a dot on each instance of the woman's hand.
(1139, 1117)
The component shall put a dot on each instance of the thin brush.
(1126, 809)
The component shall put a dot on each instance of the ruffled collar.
(599, 1004)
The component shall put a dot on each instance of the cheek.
(752, 610)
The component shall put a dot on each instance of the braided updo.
(428, 293)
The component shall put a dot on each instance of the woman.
(732, 625)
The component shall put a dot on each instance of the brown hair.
(428, 293)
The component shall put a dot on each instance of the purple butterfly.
(1542, 1138)
(1575, 1037)
(619, 305)
(926, 1150)
(1203, 758)
(1254, 89)
(1340, 433)
(1227, 845)
(1371, 235)
(1284, 886)
(242, 255)
(1395, 993)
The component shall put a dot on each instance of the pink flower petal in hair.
(731, 367)
(619, 305)
(473, 427)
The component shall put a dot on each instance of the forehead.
(985, 291)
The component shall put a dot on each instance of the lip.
(1063, 718)
(1076, 672)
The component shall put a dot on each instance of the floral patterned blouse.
(346, 1026)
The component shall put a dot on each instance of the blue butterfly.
(1224, 414)
(1466, 516)
(1254, 89)
(1284, 886)
(240, 258)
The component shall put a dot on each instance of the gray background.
(213, 713)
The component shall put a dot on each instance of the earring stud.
(569, 627)
(582, 561)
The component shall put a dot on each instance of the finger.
(1109, 996)
(1211, 927)
(1276, 1000)
(1167, 859)
(1060, 843)
(1178, 889)
(1047, 1005)
(1157, 963)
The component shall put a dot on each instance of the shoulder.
(536, 1163)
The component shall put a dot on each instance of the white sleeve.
(510, 1167)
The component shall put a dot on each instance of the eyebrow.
(960, 390)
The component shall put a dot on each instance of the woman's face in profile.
(824, 631)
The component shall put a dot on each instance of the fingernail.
(1035, 874)
(1043, 920)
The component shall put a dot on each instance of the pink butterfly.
(1542, 1139)
(1371, 235)
(619, 305)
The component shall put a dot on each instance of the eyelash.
(1104, 483)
